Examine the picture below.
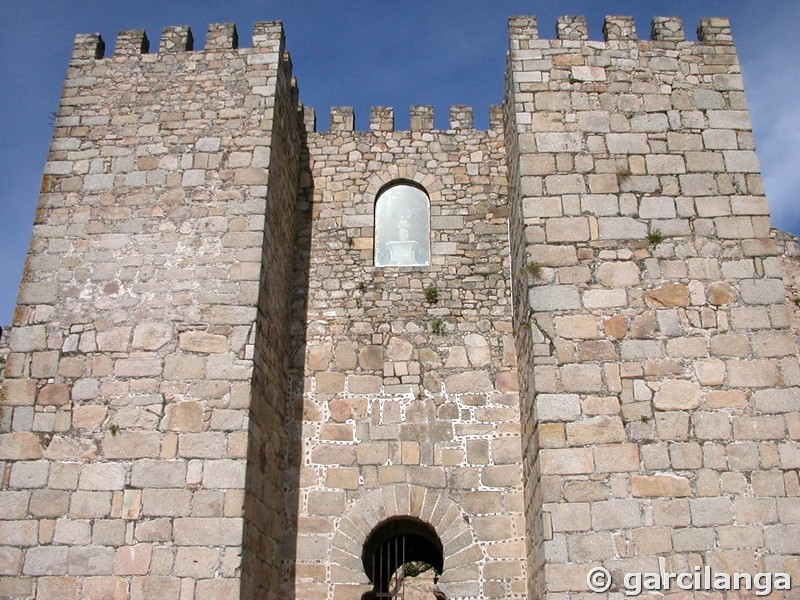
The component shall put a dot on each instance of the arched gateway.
(431, 524)
(398, 550)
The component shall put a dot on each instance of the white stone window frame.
(402, 226)
(408, 174)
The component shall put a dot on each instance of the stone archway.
(399, 549)
(462, 554)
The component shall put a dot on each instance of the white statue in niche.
(402, 227)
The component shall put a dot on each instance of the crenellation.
(288, 69)
(176, 39)
(715, 30)
(667, 29)
(461, 117)
(496, 117)
(524, 30)
(381, 118)
(221, 37)
(309, 119)
(133, 42)
(343, 118)
(421, 118)
(619, 28)
(521, 31)
(572, 28)
(88, 46)
(268, 35)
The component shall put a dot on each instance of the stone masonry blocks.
(208, 384)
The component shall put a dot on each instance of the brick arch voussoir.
(403, 500)
(431, 184)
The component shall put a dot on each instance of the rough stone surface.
(210, 391)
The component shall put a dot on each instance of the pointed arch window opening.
(402, 226)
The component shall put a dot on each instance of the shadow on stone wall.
(297, 341)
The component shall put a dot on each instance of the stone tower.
(565, 346)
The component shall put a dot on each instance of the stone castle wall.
(390, 406)
(658, 374)
(211, 391)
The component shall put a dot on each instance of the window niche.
(402, 226)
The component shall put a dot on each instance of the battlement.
(662, 29)
(220, 37)
(381, 118)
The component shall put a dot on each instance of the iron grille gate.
(387, 568)
(397, 549)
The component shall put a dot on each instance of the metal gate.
(397, 549)
(387, 567)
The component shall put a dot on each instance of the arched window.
(397, 553)
(402, 227)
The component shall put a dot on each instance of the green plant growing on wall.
(358, 297)
(655, 237)
(534, 269)
(415, 568)
(437, 326)
(113, 429)
(623, 172)
(432, 294)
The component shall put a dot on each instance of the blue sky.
(349, 53)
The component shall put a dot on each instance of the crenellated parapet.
(663, 29)
(572, 61)
(220, 37)
(176, 39)
(421, 118)
(176, 54)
